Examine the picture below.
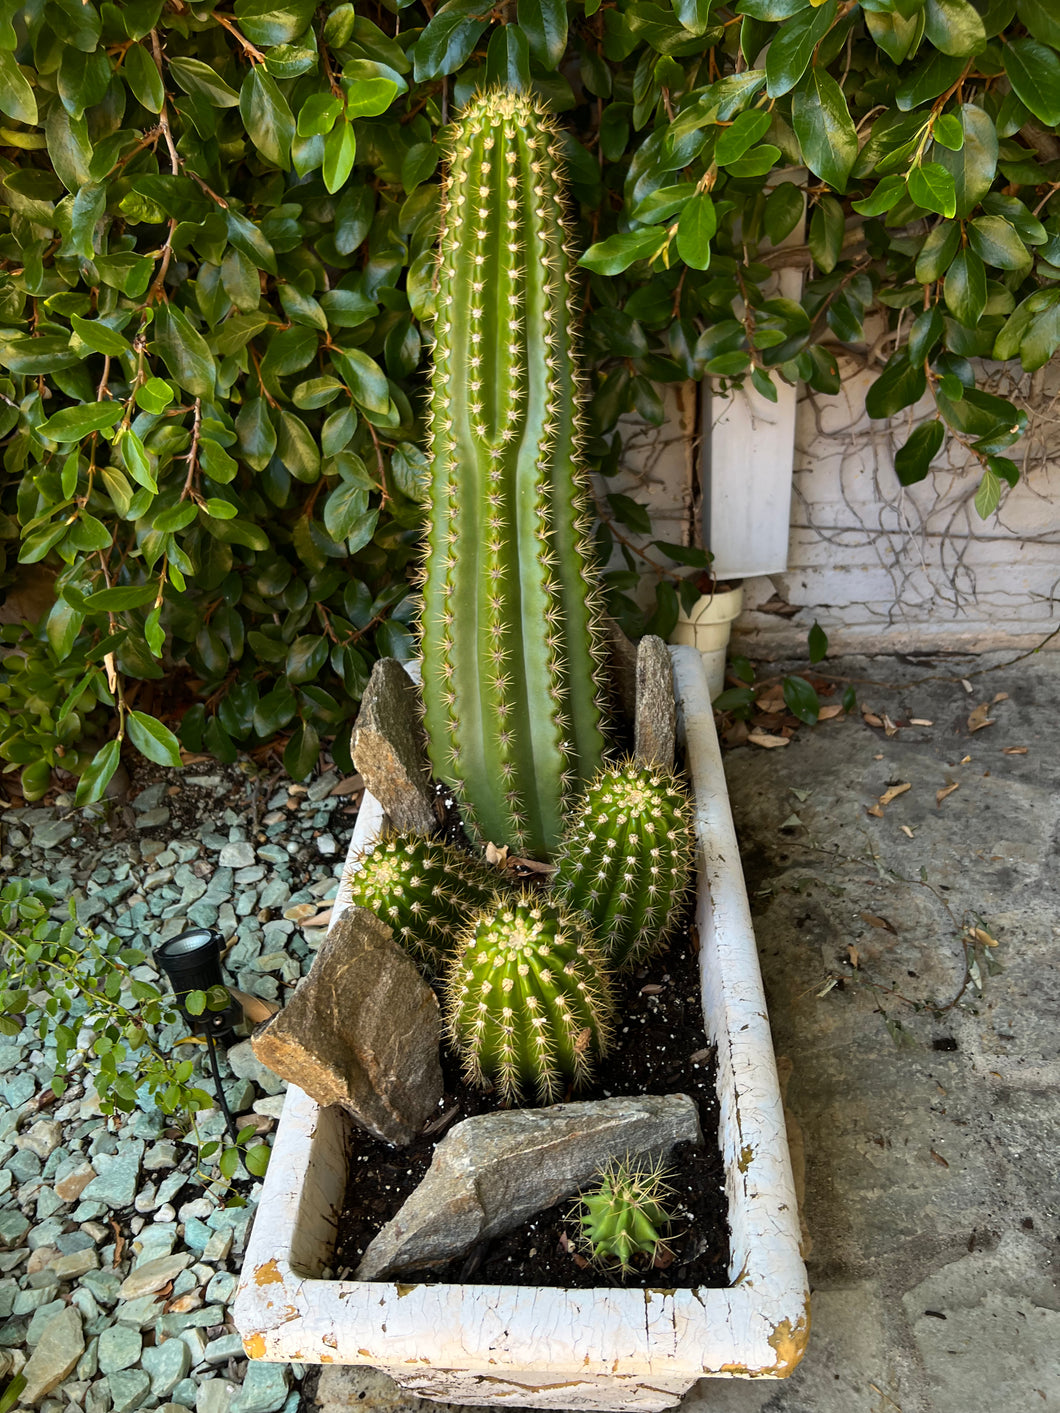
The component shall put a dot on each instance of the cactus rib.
(509, 623)
(528, 999)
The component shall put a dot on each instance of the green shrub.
(216, 234)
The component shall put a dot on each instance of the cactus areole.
(508, 626)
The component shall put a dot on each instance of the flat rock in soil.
(389, 748)
(493, 1171)
(655, 736)
(362, 1031)
(58, 1350)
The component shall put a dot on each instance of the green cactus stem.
(623, 1215)
(424, 890)
(528, 1000)
(509, 628)
(627, 859)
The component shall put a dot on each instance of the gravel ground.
(117, 1262)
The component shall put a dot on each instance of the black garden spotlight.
(192, 961)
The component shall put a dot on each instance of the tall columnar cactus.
(528, 1000)
(424, 890)
(509, 631)
(626, 861)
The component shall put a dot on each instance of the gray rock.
(264, 1388)
(127, 1389)
(119, 1348)
(362, 1030)
(246, 1065)
(153, 819)
(494, 1171)
(389, 748)
(162, 1154)
(237, 855)
(655, 724)
(118, 1176)
(59, 1348)
(75, 1265)
(166, 1364)
(43, 1138)
(215, 1396)
(50, 836)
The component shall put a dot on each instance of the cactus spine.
(626, 861)
(528, 1000)
(425, 891)
(623, 1215)
(508, 627)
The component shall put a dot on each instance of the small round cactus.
(528, 999)
(426, 891)
(623, 1215)
(626, 861)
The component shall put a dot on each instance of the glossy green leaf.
(988, 496)
(1042, 19)
(996, 242)
(801, 699)
(200, 80)
(931, 186)
(340, 151)
(974, 167)
(73, 423)
(152, 739)
(939, 248)
(142, 76)
(899, 385)
(792, 48)
(267, 116)
(544, 22)
(618, 252)
(447, 40)
(1034, 72)
(964, 289)
(954, 26)
(301, 752)
(17, 98)
(184, 351)
(912, 460)
(827, 227)
(696, 227)
(824, 128)
(98, 774)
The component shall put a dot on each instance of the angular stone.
(72, 1179)
(237, 855)
(166, 1364)
(119, 1348)
(215, 1396)
(58, 1350)
(43, 1138)
(389, 748)
(118, 1174)
(264, 1388)
(75, 1265)
(127, 1390)
(655, 724)
(246, 1065)
(362, 1030)
(494, 1171)
(153, 1275)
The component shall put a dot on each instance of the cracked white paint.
(549, 1347)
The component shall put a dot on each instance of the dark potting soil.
(660, 1048)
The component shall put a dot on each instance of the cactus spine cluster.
(509, 632)
(623, 1215)
(626, 861)
(425, 891)
(528, 1000)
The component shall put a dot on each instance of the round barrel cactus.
(627, 859)
(424, 890)
(623, 1215)
(528, 1000)
(509, 625)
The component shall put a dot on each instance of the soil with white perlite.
(659, 1048)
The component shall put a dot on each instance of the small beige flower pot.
(548, 1347)
(707, 629)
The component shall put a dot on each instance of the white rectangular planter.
(548, 1347)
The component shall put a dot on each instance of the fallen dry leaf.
(980, 717)
(940, 795)
(497, 858)
(767, 741)
(906, 830)
(965, 760)
(530, 865)
(920, 721)
(652, 990)
(871, 718)
(880, 922)
(888, 725)
(1013, 750)
(349, 786)
(322, 919)
(663, 1257)
(828, 712)
(939, 1158)
(874, 810)
(699, 1056)
(967, 686)
(772, 699)
(999, 697)
(894, 792)
(981, 935)
(853, 955)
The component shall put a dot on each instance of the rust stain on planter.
(254, 1344)
(269, 1274)
(747, 1154)
(403, 1290)
(790, 1343)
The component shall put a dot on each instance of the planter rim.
(757, 1326)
